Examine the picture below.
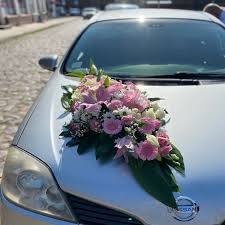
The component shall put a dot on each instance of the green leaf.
(176, 162)
(65, 134)
(152, 179)
(72, 142)
(155, 99)
(76, 73)
(92, 68)
(66, 101)
(84, 145)
(100, 73)
(169, 177)
(105, 148)
(68, 88)
(107, 82)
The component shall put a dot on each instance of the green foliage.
(155, 99)
(85, 143)
(176, 162)
(65, 134)
(72, 142)
(76, 73)
(154, 180)
(107, 82)
(66, 101)
(92, 68)
(68, 88)
(105, 147)
(169, 177)
(100, 74)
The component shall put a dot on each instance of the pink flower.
(115, 104)
(163, 138)
(149, 125)
(112, 126)
(93, 108)
(75, 106)
(116, 87)
(95, 125)
(89, 97)
(132, 98)
(124, 142)
(163, 151)
(146, 151)
(164, 143)
(127, 119)
(102, 93)
(122, 145)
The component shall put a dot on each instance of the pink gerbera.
(112, 126)
(146, 151)
(95, 125)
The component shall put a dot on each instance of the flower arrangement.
(120, 121)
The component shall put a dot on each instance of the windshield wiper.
(192, 76)
(157, 79)
(178, 75)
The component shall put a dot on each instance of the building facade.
(18, 12)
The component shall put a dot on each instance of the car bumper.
(11, 214)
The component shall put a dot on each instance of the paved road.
(21, 79)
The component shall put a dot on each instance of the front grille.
(90, 213)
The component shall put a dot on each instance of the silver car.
(88, 12)
(172, 54)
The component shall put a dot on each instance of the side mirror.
(49, 63)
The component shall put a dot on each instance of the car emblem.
(187, 209)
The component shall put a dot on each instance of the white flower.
(125, 111)
(118, 95)
(137, 115)
(115, 112)
(76, 115)
(85, 117)
(160, 114)
(149, 113)
(135, 110)
(155, 106)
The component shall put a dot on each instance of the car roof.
(154, 14)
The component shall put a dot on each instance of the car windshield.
(150, 47)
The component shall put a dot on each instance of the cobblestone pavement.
(21, 79)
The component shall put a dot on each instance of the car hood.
(197, 128)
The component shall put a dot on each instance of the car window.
(150, 47)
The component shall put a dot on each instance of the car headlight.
(28, 183)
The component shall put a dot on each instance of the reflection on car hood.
(197, 127)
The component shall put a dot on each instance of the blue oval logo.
(187, 209)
